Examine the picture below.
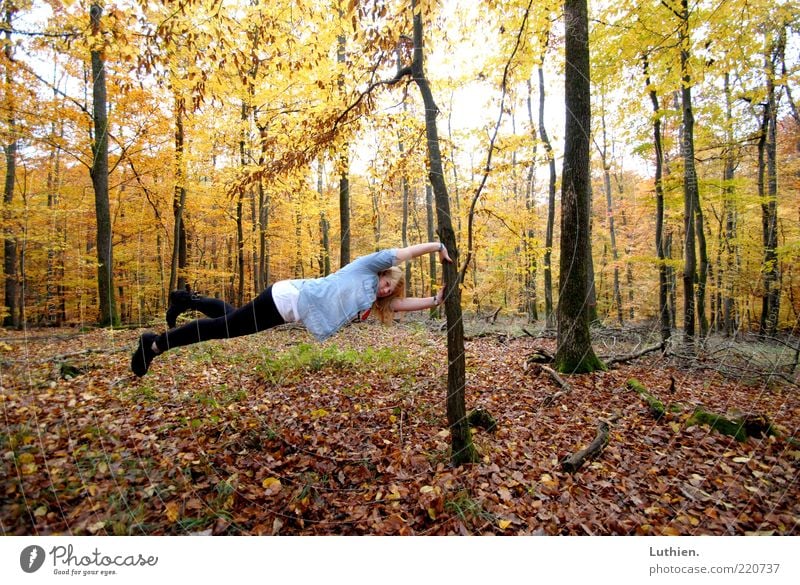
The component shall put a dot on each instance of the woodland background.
(228, 145)
(251, 142)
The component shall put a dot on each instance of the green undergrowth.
(306, 358)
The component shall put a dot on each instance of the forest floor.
(276, 434)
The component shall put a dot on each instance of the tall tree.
(462, 448)
(344, 165)
(605, 159)
(10, 151)
(430, 233)
(177, 278)
(691, 187)
(768, 190)
(665, 319)
(551, 208)
(99, 172)
(575, 353)
(728, 288)
(528, 245)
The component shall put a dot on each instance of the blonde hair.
(383, 306)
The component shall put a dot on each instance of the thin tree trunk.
(406, 197)
(240, 197)
(530, 258)
(406, 194)
(729, 277)
(376, 217)
(702, 279)
(463, 450)
(344, 179)
(551, 211)
(324, 229)
(617, 291)
(99, 173)
(263, 216)
(431, 237)
(178, 263)
(770, 310)
(10, 151)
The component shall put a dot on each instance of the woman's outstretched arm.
(405, 254)
(418, 304)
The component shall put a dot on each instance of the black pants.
(210, 307)
(259, 314)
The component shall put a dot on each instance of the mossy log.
(656, 407)
(740, 428)
(574, 462)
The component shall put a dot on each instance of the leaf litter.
(275, 434)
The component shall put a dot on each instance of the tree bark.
(575, 353)
(99, 173)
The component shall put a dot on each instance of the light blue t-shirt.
(327, 304)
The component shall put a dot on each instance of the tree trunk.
(376, 216)
(462, 448)
(10, 150)
(406, 192)
(99, 173)
(551, 211)
(406, 197)
(610, 218)
(575, 353)
(770, 306)
(530, 253)
(690, 186)
(324, 230)
(263, 218)
(178, 263)
(431, 236)
(728, 309)
(240, 196)
(344, 179)
(702, 279)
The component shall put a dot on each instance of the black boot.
(179, 302)
(144, 354)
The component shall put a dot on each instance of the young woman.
(322, 305)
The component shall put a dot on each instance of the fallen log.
(630, 357)
(574, 462)
(740, 428)
(539, 356)
(565, 386)
(656, 407)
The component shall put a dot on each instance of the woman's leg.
(259, 314)
(210, 307)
